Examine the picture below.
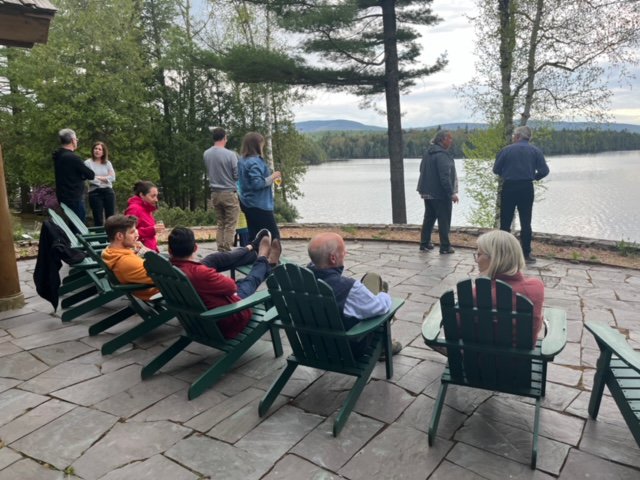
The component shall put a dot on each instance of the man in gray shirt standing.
(222, 168)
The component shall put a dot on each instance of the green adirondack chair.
(152, 313)
(86, 282)
(200, 325)
(83, 230)
(618, 368)
(307, 311)
(486, 351)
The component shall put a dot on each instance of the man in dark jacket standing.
(519, 164)
(70, 172)
(438, 186)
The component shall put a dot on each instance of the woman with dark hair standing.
(255, 181)
(142, 205)
(102, 199)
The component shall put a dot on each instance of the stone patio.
(66, 411)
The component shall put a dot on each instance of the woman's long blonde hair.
(504, 251)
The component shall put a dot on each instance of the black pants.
(517, 193)
(439, 210)
(103, 204)
(257, 219)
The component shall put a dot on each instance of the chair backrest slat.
(75, 220)
(486, 321)
(180, 297)
(303, 301)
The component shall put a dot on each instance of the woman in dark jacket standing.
(438, 186)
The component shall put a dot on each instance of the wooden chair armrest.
(556, 337)
(431, 324)
(368, 325)
(615, 341)
(222, 312)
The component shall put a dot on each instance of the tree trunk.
(507, 45)
(531, 63)
(394, 119)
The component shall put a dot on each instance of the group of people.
(518, 165)
(240, 186)
(71, 173)
(245, 184)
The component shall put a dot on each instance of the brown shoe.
(264, 250)
(276, 251)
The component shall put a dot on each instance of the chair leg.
(276, 340)
(276, 387)
(599, 381)
(139, 330)
(90, 305)
(166, 356)
(388, 349)
(536, 428)
(437, 410)
(349, 403)
(110, 321)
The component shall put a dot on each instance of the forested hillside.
(345, 145)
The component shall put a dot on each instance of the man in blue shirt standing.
(519, 164)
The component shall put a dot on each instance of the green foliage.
(627, 248)
(350, 229)
(482, 184)
(176, 216)
(285, 212)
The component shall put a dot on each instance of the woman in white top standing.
(102, 199)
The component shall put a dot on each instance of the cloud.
(433, 100)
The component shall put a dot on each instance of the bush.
(284, 212)
(176, 216)
(44, 197)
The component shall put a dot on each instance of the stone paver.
(65, 406)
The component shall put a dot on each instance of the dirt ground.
(614, 257)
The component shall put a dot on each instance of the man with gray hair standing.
(70, 173)
(438, 186)
(519, 164)
(222, 168)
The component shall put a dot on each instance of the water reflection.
(588, 195)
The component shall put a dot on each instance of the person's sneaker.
(447, 251)
(396, 347)
(255, 243)
(428, 246)
(276, 251)
(264, 249)
(529, 259)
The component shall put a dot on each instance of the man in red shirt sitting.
(217, 289)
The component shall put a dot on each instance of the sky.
(432, 100)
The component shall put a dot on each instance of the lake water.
(594, 195)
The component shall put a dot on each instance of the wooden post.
(10, 295)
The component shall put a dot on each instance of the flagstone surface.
(68, 412)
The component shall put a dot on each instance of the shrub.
(176, 216)
(44, 196)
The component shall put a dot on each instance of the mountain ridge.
(341, 125)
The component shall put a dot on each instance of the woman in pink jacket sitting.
(500, 257)
(142, 205)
